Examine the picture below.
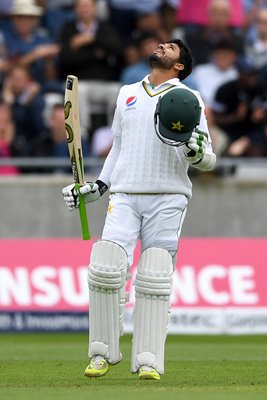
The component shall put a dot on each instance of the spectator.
(55, 15)
(52, 142)
(251, 8)
(123, 13)
(101, 141)
(209, 77)
(101, 144)
(132, 18)
(220, 69)
(256, 49)
(4, 64)
(191, 13)
(23, 94)
(218, 28)
(168, 13)
(5, 8)
(146, 44)
(27, 44)
(7, 135)
(149, 22)
(239, 110)
(91, 50)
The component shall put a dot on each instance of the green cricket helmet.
(177, 115)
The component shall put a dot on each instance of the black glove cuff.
(191, 153)
(102, 187)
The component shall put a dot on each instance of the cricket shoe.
(98, 366)
(148, 373)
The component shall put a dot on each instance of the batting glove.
(194, 149)
(91, 191)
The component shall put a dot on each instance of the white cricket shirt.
(144, 163)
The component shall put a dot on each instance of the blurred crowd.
(106, 44)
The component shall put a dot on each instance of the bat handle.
(83, 215)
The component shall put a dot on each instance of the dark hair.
(186, 58)
(224, 44)
(146, 35)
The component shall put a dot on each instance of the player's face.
(165, 56)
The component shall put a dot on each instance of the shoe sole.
(94, 374)
(149, 376)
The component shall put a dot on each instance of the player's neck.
(158, 76)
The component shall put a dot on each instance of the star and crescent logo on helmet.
(177, 125)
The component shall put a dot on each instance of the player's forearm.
(110, 161)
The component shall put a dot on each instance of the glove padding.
(90, 191)
(194, 149)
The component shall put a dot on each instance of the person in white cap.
(26, 43)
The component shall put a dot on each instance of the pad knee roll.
(106, 281)
(153, 287)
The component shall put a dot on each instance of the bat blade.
(73, 134)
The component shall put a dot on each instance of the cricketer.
(159, 129)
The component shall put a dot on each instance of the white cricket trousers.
(155, 219)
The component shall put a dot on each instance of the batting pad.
(106, 280)
(153, 287)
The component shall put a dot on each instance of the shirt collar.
(83, 28)
(173, 81)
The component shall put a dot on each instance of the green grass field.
(50, 366)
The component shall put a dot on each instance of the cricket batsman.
(159, 129)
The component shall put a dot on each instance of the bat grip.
(83, 214)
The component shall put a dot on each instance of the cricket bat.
(73, 133)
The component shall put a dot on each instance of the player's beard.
(161, 62)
